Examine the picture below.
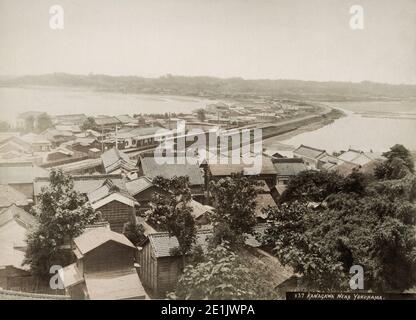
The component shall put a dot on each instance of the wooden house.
(115, 204)
(116, 161)
(15, 224)
(147, 166)
(159, 267)
(21, 176)
(104, 267)
(143, 190)
(311, 156)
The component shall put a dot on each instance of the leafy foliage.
(399, 163)
(171, 211)
(224, 274)
(313, 186)
(88, 124)
(235, 202)
(62, 214)
(135, 233)
(44, 122)
(201, 115)
(365, 222)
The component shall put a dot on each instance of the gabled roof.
(125, 118)
(137, 133)
(309, 152)
(138, 185)
(17, 143)
(103, 121)
(198, 209)
(83, 184)
(114, 159)
(163, 244)
(152, 169)
(289, 166)
(15, 213)
(266, 168)
(355, 157)
(33, 138)
(17, 174)
(9, 196)
(14, 225)
(108, 192)
(95, 237)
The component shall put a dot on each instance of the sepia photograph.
(234, 151)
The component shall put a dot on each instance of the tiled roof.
(198, 209)
(15, 213)
(102, 121)
(80, 165)
(163, 244)
(9, 196)
(309, 152)
(138, 132)
(95, 237)
(14, 225)
(266, 168)
(33, 138)
(114, 159)
(19, 295)
(138, 185)
(125, 118)
(107, 188)
(83, 184)
(152, 169)
(114, 285)
(289, 166)
(21, 174)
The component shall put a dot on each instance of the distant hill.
(223, 88)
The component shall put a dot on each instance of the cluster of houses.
(256, 111)
(119, 185)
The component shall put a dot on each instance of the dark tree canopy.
(171, 211)
(235, 202)
(135, 233)
(398, 164)
(62, 214)
(44, 122)
(225, 274)
(364, 222)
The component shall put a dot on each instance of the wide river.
(368, 125)
(72, 100)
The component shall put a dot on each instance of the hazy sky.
(285, 39)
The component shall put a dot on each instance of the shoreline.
(275, 142)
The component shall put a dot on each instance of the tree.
(62, 214)
(135, 233)
(235, 203)
(4, 126)
(44, 122)
(399, 163)
(88, 124)
(224, 274)
(30, 124)
(369, 224)
(171, 211)
(312, 185)
(201, 115)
